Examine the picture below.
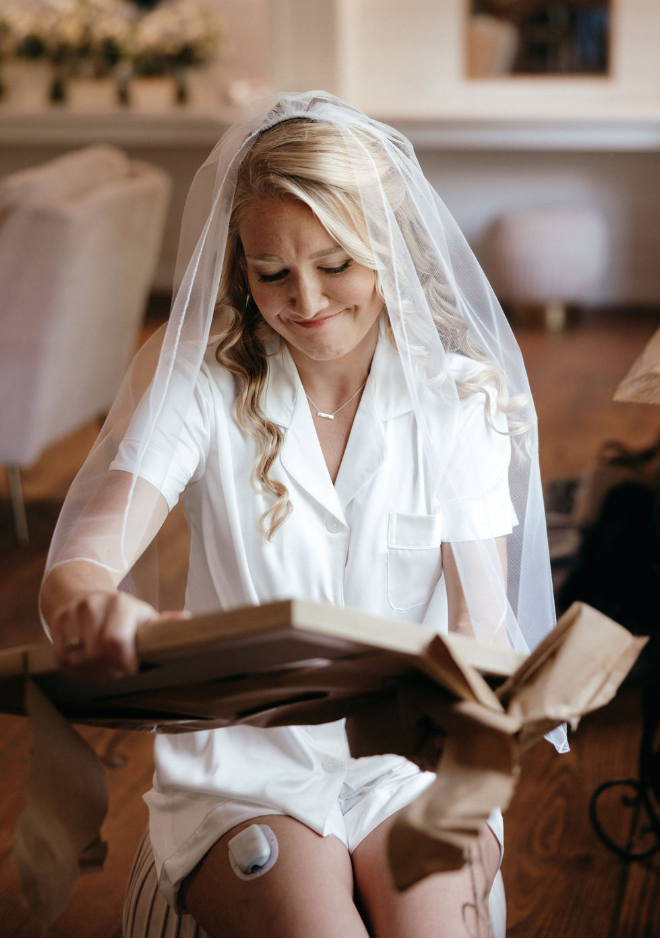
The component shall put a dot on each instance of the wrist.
(69, 582)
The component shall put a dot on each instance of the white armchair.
(79, 241)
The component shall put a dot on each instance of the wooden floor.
(561, 881)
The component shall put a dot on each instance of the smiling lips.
(314, 323)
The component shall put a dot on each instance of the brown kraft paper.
(577, 669)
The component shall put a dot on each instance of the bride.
(342, 409)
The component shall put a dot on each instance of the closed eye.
(281, 274)
(337, 270)
(271, 278)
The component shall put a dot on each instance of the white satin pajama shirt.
(368, 542)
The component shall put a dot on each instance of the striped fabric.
(146, 912)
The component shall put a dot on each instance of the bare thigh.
(434, 907)
(309, 890)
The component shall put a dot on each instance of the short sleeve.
(473, 496)
(189, 460)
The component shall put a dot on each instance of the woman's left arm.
(459, 615)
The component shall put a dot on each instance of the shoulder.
(462, 368)
(480, 400)
(477, 378)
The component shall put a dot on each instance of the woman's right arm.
(92, 623)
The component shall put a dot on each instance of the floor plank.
(573, 376)
(560, 879)
(639, 915)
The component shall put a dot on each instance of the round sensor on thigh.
(253, 852)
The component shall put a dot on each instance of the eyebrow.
(272, 257)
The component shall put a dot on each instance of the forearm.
(489, 600)
(110, 535)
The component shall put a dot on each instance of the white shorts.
(374, 788)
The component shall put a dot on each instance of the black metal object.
(640, 796)
(615, 566)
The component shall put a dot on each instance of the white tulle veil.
(441, 310)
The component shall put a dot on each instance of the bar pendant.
(327, 416)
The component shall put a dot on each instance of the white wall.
(247, 54)
(406, 57)
(478, 186)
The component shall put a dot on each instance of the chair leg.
(556, 317)
(18, 505)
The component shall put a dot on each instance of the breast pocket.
(413, 558)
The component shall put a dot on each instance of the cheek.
(368, 295)
(266, 300)
(359, 290)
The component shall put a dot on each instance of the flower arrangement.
(112, 25)
(51, 29)
(172, 38)
(175, 34)
(103, 37)
(54, 29)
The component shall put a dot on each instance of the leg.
(433, 907)
(309, 890)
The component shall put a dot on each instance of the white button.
(330, 764)
(333, 525)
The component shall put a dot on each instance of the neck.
(335, 380)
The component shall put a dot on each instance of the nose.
(308, 298)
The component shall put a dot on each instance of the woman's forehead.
(270, 228)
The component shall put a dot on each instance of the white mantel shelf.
(178, 128)
(182, 128)
(498, 133)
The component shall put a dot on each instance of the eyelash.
(273, 278)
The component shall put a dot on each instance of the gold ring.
(74, 644)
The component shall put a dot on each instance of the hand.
(94, 636)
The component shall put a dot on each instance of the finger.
(118, 636)
(71, 647)
(61, 628)
(91, 615)
(124, 616)
(77, 637)
(83, 623)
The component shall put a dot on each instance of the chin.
(326, 354)
(323, 348)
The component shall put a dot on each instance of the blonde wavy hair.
(309, 161)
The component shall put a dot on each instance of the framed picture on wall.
(538, 37)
